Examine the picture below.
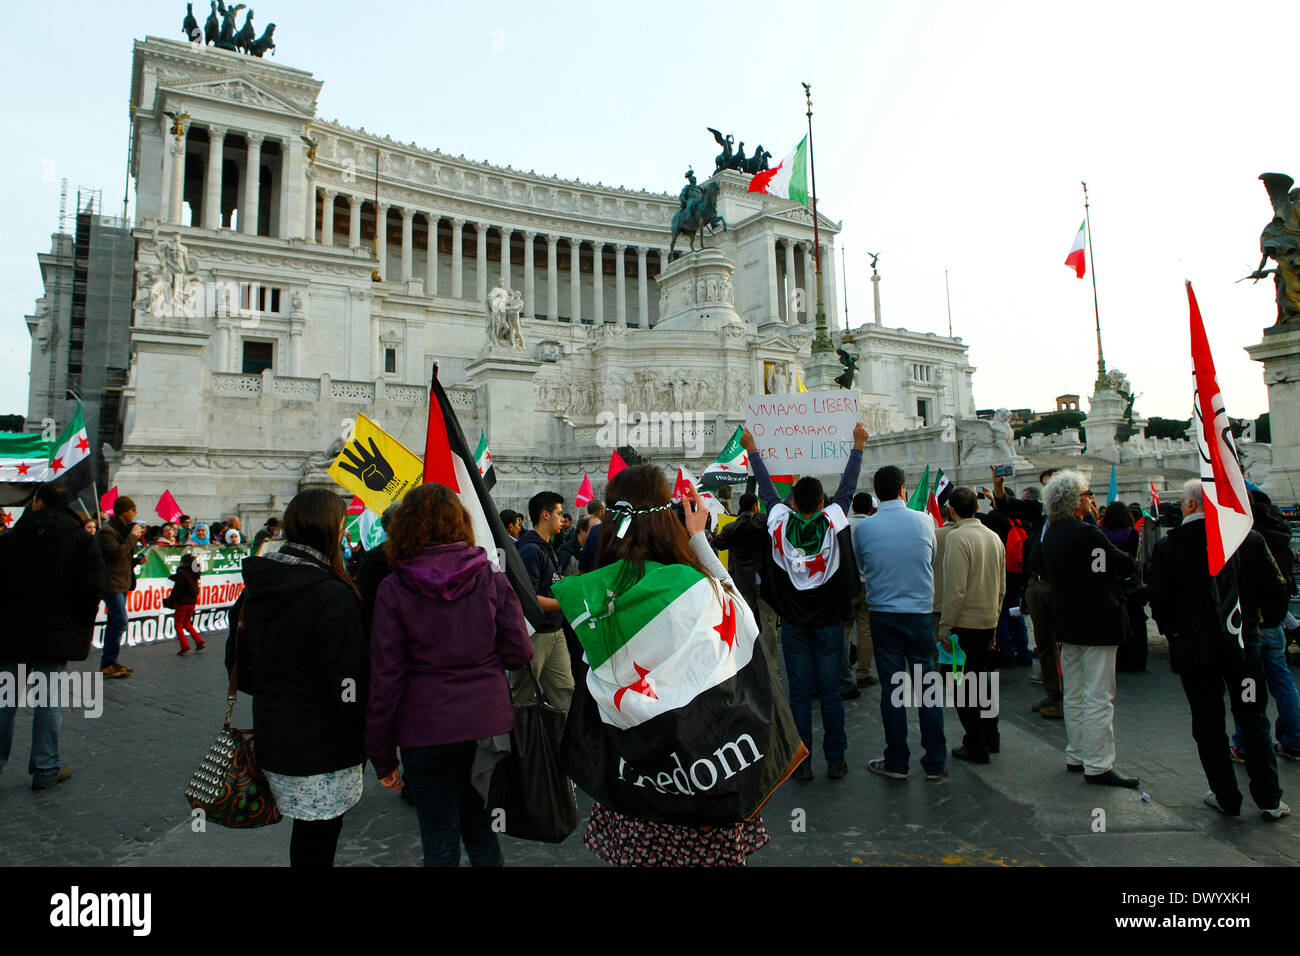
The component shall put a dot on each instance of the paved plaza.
(124, 804)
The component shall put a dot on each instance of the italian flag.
(789, 180)
(923, 498)
(658, 645)
(483, 458)
(1075, 259)
(730, 467)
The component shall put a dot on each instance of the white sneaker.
(1210, 800)
(1277, 813)
(1036, 679)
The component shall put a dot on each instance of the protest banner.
(809, 433)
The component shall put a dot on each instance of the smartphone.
(1003, 471)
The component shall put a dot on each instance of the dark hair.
(1117, 516)
(888, 482)
(747, 501)
(187, 560)
(808, 495)
(657, 536)
(583, 524)
(509, 516)
(596, 506)
(53, 495)
(1046, 473)
(121, 505)
(567, 517)
(542, 501)
(184, 518)
(273, 522)
(863, 503)
(313, 518)
(431, 514)
(962, 501)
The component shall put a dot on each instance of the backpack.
(1016, 539)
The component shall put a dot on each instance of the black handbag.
(530, 785)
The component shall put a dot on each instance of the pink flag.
(585, 493)
(357, 506)
(167, 508)
(107, 498)
(616, 464)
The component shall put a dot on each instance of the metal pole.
(1102, 384)
(821, 341)
(948, 296)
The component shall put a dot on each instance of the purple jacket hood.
(445, 572)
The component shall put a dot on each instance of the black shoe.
(995, 748)
(849, 692)
(869, 681)
(1074, 767)
(836, 771)
(961, 753)
(805, 771)
(1110, 779)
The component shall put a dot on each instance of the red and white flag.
(1155, 500)
(616, 464)
(167, 508)
(682, 489)
(585, 494)
(1227, 506)
(1075, 259)
(106, 500)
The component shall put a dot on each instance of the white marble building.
(265, 319)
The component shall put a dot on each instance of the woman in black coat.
(1083, 570)
(303, 658)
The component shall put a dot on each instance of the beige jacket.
(974, 577)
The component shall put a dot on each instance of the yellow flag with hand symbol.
(376, 467)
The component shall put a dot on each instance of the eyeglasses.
(1086, 494)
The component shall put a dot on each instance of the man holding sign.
(809, 577)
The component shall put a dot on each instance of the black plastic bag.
(530, 785)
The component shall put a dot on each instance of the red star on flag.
(641, 686)
(776, 539)
(726, 628)
(22, 468)
(82, 444)
(57, 465)
(744, 462)
(816, 565)
(6, 518)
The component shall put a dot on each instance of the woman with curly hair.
(447, 625)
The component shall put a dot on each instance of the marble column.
(575, 280)
(791, 314)
(642, 290)
(354, 224)
(810, 285)
(552, 278)
(177, 148)
(381, 241)
(620, 283)
(408, 243)
(431, 264)
(457, 259)
(326, 235)
(506, 233)
(598, 282)
(480, 277)
(212, 178)
(253, 190)
(773, 283)
(530, 280)
(309, 221)
(832, 290)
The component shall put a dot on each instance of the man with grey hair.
(1188, 606)
(1083, 570)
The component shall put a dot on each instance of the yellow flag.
(376, 467)
(799, 381)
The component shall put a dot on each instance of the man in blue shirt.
(895, 551)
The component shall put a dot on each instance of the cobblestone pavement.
(124, 805)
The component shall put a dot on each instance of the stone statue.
(776, 380)
(174, 287)
(850, 363)
(504, 323)
(724, 158)
(312, 144)
(1280, 242)
(987, 441)
(699, 208)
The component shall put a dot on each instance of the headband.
(627, 511)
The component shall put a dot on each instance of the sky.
(948, 136)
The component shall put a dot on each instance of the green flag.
(918, 500)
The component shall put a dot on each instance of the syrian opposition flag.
(942, 488)
(167, 508)
(806, 569)
(8, 516)
(585, 494)
(24, 460)
(447, 460)
(730, 467)
(483, 458)
(678, 717)
(681, 489)
(1075, 259)
(789, 180)
(70, 457)
(923, 498)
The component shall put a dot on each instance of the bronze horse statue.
(702, 212)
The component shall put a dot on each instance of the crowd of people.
(413, 656)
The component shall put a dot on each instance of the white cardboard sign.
(809, 433)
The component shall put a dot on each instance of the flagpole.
(1102, 384)
(948, 296)
(844, 267)
(821, 341)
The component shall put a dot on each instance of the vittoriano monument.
(1280, 242)
(219, 30)
(736, 159)
(698, 208)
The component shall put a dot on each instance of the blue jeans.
(449, 808)
(901, 642)
(115, 607)
(43, 764)
(1013, 638)
(813, 658)
(1281, 687)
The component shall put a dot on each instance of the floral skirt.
(321, 796)
(630, 841)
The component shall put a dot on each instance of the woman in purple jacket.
(447, 625)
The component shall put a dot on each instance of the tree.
(1158, 427)
(1052, 423)
(11, 423)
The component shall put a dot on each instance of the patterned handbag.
(228, 786)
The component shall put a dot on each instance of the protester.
(643, 496)
(859, 622)
(565, 532)
(117, 541)
(550, 660)
(185, 597)
(568, 553)
(51, 579)
(447, 625)
(1082, 569)
(166, 534)
(896, 551)
(90, 527)
(746, 542)
(1118, 525)
(809, 578)
(199, 536)
(185, 531)
(587, 557)
(268, 532)
(233, 533)
(1037, 597)
(302, 627)
(372, 571)
(974, 583)
(217, 532)
(1185, 602)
